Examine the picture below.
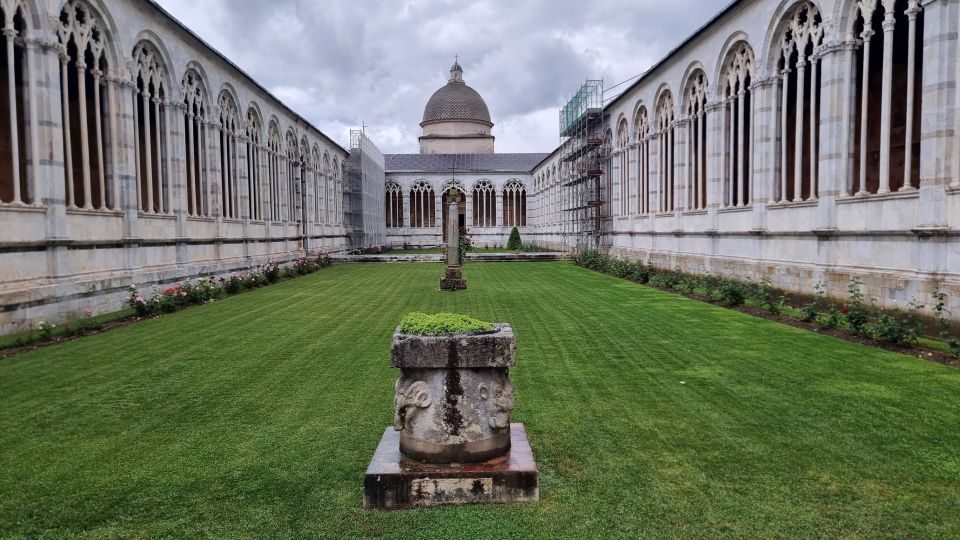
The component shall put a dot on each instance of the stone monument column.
(453, 280)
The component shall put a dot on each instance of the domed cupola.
(456, 119)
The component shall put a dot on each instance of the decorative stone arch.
(422, 204)
(452, 183)
(694, 70)
(150, 43)
(772, 41)
(623, 119)
(663, 91)
(393, 202)
(732, 44)
(514, 203)
(254, 124)
(484, 201)
(642, 128)
(101, 21)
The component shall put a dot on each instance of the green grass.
(438, 250)
(435, 324)
(256, 416)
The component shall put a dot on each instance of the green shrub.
(732, 293)
(904, 329)
(442, 323)
(810, 310)
(830, 319)
(514, 242)
(855, 312)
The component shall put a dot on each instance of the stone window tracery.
(228, 137)
(83, 63)
(274, 167)
(696, 102)
(738, 127)
(799, 82)
(197, 138)
(484, 204)
(394, 205)
(422, 205)
(514, 204)
(887, 142)
(254, 163)
(643, 160)
(15, 186)
(623, 159)
(667, 152)
(290, 173)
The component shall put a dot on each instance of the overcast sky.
(342, 62)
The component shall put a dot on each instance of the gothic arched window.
(195, 125)
(667, 161)
(737, 96)
(484, 204)
(254, 145)
(695, 100)
(275, 154)
(230, 200)
(889, 83)
(423, 210)
(514, 204)
(394, 205)
(14, 185)
(642, 124)
(799, 104)
(82, 66)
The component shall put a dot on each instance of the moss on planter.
(424, 324)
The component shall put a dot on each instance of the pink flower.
(183, 293)
(88, 312)
(140, 300)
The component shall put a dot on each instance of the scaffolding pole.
(582, 156)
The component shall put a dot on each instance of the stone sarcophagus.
(452, 441)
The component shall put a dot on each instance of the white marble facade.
(143, 156)
(494, 203)
(720, 116)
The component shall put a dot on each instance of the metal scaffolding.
(582, 155)
(364, 211)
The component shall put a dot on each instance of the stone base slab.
(394, 482)
(453, 284)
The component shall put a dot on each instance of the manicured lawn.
(257, 416)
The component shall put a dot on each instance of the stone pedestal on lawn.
(452, 441)
(452, 279)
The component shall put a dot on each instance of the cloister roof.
(516, 163)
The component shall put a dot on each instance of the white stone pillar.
(784, 161)
(98, 128)
(84, 134)
(10, 34)
(889, 22)
(798, 136)
(147, 152)
(741, 154)
(864, 105)
(68, 148)
(814, 188)
(912, 11)
(161, 207)
(112, 106)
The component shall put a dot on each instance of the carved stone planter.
(452, 441)
(454, 395)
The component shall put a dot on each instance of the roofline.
(699, 31)
(243, 73)
(546, 159)
(459, 171)
(426, 123)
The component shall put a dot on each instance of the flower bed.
(207, 289)
(901, 328)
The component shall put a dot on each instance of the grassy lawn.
(257, 416)
(436, 250)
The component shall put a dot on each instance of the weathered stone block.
(393, 482)
(492, 350)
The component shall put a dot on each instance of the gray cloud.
(343, 62)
